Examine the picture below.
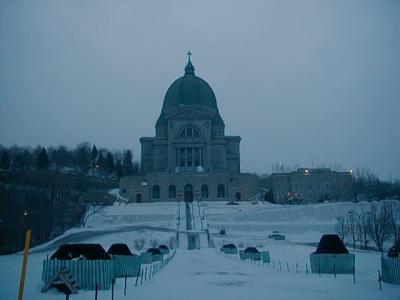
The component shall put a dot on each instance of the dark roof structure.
(230, 246)
(154, 251)
(80, 251)
(251, 250)
(119, 249)
(189, 90)
(163, 247)
(331, 244)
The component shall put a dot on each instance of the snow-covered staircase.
(191, 234)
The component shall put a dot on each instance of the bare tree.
(362, 229)
(394, 220)
(378, 225)
(341, 227)
(139, 244)
(351, 226)
(90, 211)
(154, 243)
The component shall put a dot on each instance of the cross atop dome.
(189, 69)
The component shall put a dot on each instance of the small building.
(89, 264)
(125, 262)
(164, 249)
(156, 254)
(390, 265)
(251, 253)
(229, 249)
(332, 257)
(309, 185)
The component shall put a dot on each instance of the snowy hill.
(203, 274)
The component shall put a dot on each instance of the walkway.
(203, 274)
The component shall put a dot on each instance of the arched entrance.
(188, 196)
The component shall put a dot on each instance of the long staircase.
(191, 233)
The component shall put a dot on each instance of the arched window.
(156, 192)
(172, 192)
(204, 191)
(221, 191)
(189, 132)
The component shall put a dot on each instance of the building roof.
(189, 90)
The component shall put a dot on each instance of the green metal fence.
(126, 265)
(332, 263)
(87, 273)
(391, 269)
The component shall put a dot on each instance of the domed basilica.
(190, 157)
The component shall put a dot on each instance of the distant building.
(190, 157)
(312, 185)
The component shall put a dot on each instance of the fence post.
(287, 264)
(112, 288)
(145, 275)
(280, 266)
(137, 278)
(297, 268)
(125, 287)
(306, 268)
(96, 291)
(319, 270)
(354, 275)
(380, 280)
(334, 271)
(141, 278)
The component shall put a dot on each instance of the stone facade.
(190, 157)
(312, 185)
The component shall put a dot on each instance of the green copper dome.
(189, 90)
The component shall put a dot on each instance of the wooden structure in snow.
(332, 257)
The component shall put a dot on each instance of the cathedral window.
(156, 192)
(182, 157)
(204, 191)
(189, 157)
(189, 132)
(221, 191)
(196, 157)
(172, 192)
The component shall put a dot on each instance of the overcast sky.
(300, 81)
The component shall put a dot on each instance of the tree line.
(83, 159)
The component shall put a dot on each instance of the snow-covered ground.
(205, 274)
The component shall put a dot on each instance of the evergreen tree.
(110, 163)
(62, 157)
(118, 168)
(127, 163)
(19, 163)
(93, 156)
(28, 158)
(5, 160)
(43, 160)
(101, 162)
(83, 156)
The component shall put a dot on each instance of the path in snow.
(204, 274)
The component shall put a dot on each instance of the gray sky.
(299, 81)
